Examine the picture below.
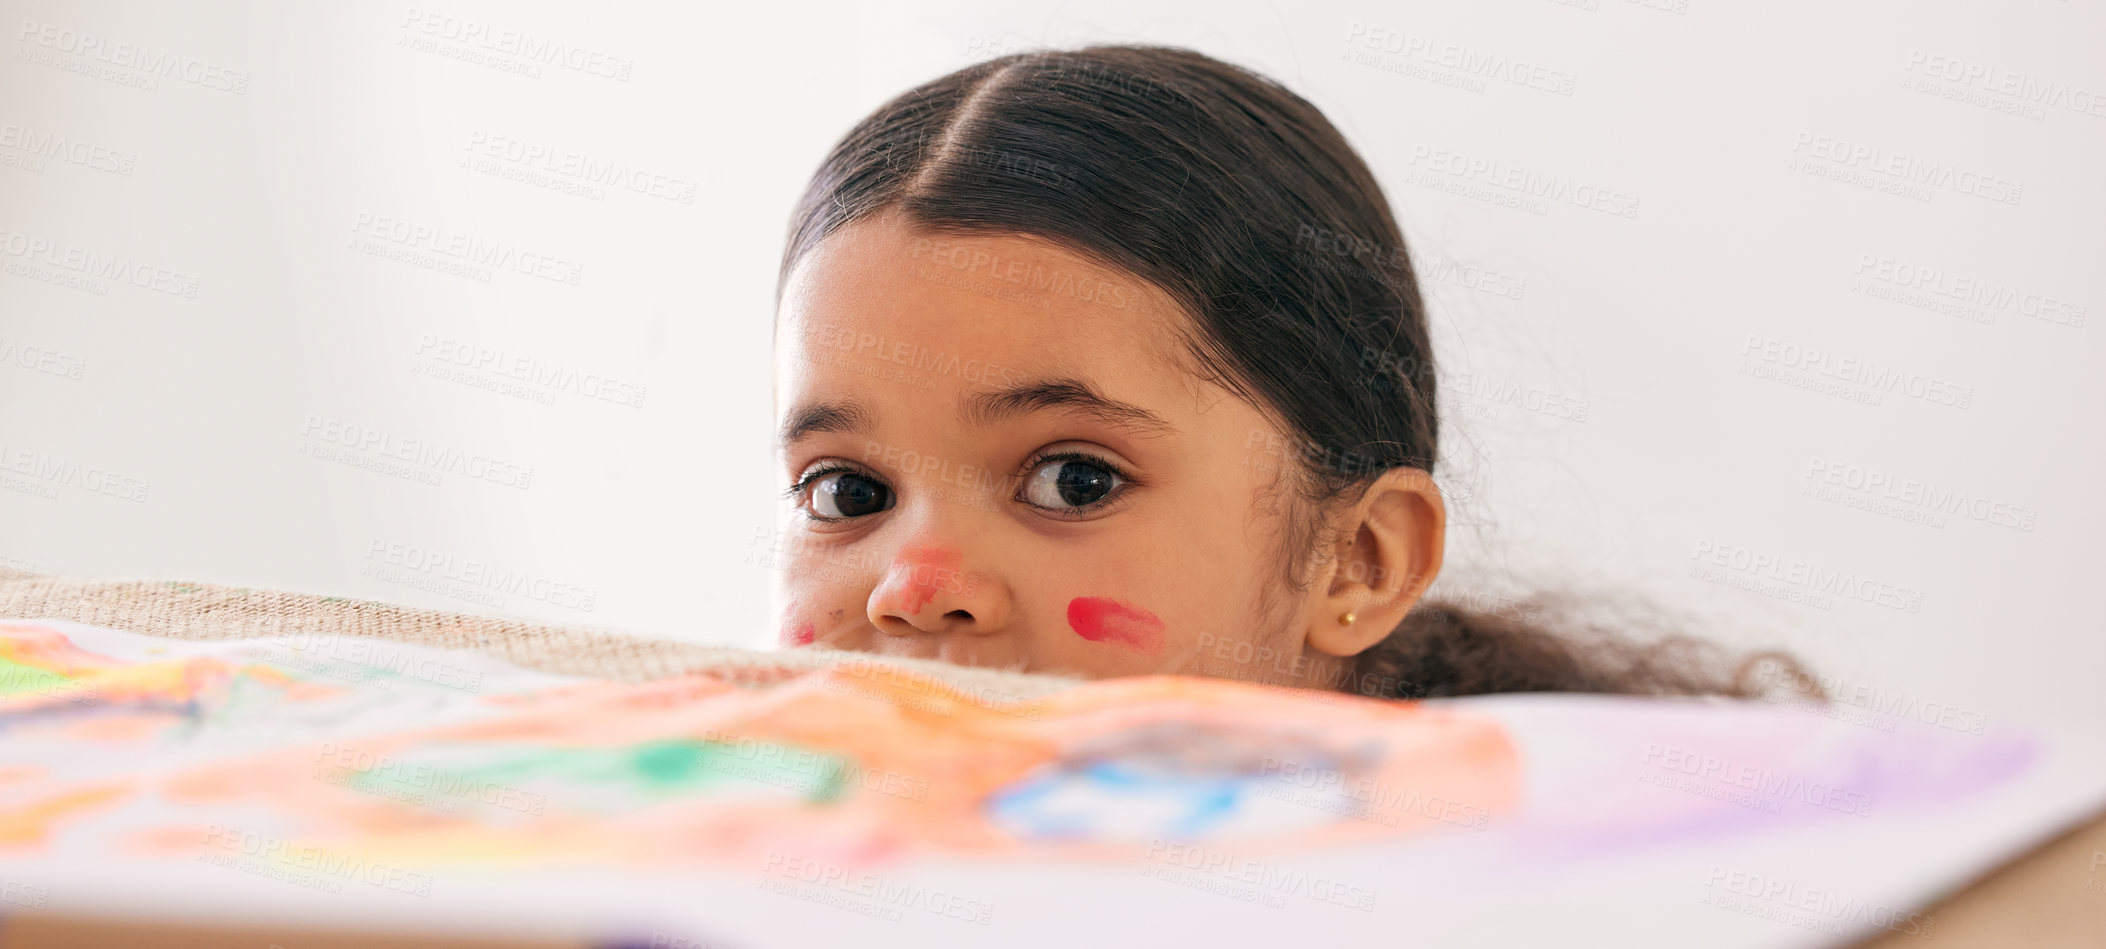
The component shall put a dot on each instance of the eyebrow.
(982, 409)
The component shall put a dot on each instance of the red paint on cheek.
(800, 634)
(929, 569)
(1102, 619)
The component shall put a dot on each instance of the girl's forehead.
(887, 300)
(884, 339)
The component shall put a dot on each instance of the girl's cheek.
(796, 632)
(1101, 619)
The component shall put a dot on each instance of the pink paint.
(1105, 620)
(801, 634)
(928, 569)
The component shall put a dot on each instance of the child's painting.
(344, 780)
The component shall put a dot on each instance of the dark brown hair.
(1238, 199)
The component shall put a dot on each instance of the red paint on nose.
(929, 569)
(1102, 619)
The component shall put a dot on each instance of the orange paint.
(32, 824)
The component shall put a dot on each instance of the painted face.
(994, 455)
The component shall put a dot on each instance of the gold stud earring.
(1347, 617)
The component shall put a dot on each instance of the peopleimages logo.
(518, 44)
(1535, 190)
(43, 360)
(1255, 881)
(48, 472)
(1769, 783)
(362, 769)
(466, 249)
(1820, 908)
(1857, 371)
(133, 56)
(480, 576)
(2019, 86)
(96, 265)
(1907, 169)
(876, 894)
(546, 376)
(1807, 576)
(912, 356)
(562, 169)
(45, 144)
(1966, 289)
(1928, 495)
(420, 460)
(976, 261)
(304, 864)
(1463, 60)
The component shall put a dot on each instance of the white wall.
(150, 432)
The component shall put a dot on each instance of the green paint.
(668, 762)
(613, 777)
(17, 678)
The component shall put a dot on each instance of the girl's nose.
(927, 590)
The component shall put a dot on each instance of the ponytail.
(1442, 649)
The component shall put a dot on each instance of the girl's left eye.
(1070, 483)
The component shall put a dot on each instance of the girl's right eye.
(842, 493)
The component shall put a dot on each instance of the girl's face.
(996, 456)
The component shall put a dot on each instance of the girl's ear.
(1387, 551)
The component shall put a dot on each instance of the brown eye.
(844, 494)
(1070, 483)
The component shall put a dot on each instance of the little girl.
(1112, 362)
